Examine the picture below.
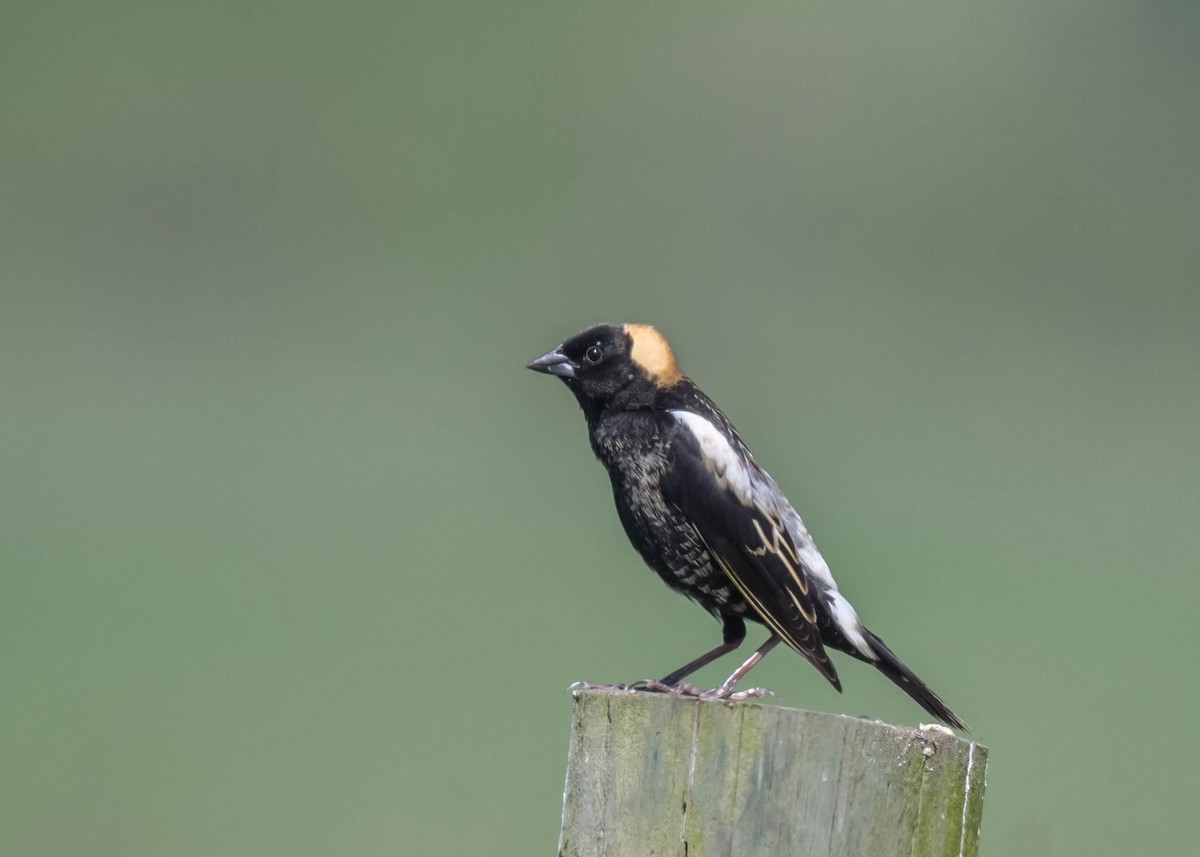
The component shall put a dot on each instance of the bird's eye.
(593, 355)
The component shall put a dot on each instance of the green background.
(298, 559)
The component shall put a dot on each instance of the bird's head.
(625, 366)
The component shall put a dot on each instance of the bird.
(707, 518)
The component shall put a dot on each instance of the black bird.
(704, 515)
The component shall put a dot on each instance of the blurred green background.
(298, 559)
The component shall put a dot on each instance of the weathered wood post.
(651, 774)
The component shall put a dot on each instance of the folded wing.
(739, 513)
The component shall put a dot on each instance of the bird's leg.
(733, 631)
(704, 660)
(725, 690)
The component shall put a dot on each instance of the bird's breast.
(636, 451)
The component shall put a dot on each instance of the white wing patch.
(761, 492)
(724, 463)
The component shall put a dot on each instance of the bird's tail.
(892, 667)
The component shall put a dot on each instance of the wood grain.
(653, 774)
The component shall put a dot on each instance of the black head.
(625, 366)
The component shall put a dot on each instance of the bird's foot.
(727, 694)
(731, 695)
(591, 685)
(649, 685)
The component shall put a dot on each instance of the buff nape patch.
(651, 352)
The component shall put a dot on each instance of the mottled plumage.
(702, 513)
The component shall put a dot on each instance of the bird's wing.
(739, 512)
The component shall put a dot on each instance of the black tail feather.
(904, 678)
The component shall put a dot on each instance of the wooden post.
(652, 774)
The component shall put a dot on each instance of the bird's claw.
(591, 685)
(690, 690)
(646, 685)
(731, 695)
(649, 685)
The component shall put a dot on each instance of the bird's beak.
(553, 363)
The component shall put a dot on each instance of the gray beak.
(553, 363)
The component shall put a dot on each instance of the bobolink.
(704, 515)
